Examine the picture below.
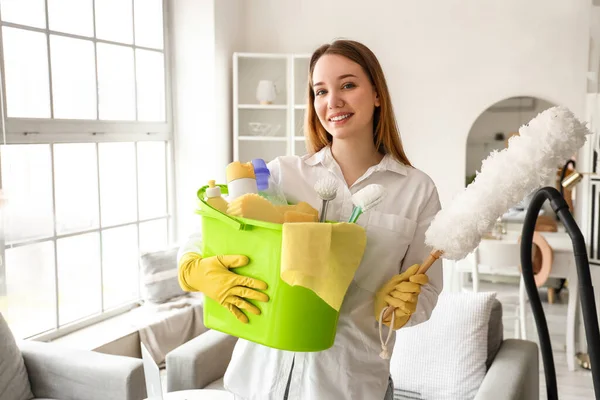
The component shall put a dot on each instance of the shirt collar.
(388, 163)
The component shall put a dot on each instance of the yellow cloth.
(322, 257)
(401, 292)
(212, 276)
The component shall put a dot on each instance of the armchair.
(32, 370)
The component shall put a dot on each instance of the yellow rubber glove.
(401, 292)
(212, 276)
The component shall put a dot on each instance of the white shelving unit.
(271, 130)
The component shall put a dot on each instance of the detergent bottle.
(214, 198)
(240, 180)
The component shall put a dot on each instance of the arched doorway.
(495, 125)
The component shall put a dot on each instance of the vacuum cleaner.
(586, 290)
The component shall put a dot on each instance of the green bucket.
(294, 318)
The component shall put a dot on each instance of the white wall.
(204, 33)
(446, 62)
(229, 30)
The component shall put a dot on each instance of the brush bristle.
(326, 188)
(369, 196)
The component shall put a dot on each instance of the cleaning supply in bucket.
(365, 199)
(297, 216)
(240, 179)
(267, 187)
(254, 206)
(301, 207)
(308, 268)
(262, 174)
(326, 188)
(214, 197)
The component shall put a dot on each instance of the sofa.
(511, 366)
(46, 371)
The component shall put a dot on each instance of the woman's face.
(345, 99)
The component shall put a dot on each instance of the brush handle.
(431, 258)
(356, 212)
(324, 210)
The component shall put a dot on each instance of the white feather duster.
(506, 178)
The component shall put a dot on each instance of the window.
(85, 160)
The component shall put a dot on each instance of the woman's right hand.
(212, 276)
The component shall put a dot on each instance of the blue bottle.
(266, 185)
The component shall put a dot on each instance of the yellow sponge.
(302, 207)
(297, 216)
(254, 206)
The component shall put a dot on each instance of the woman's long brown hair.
(386, 136)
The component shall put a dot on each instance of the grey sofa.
(512, 374)
(36, 370)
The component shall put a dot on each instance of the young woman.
(351, 135)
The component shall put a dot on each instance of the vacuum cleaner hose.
(586, 290)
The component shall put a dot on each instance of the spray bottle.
(267, 187)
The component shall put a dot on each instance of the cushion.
(14, 382)
(495, 332)
(445, 357)
(159, 276)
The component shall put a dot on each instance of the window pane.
(73, 78)
(27, 83)
(30, 288)
(148, 23)
(120, 265)
(117, 183)
(25, 12)
(153, 235)
(27, 181)
(76, 187)
(71, 16)
(114, 20)
(79, 287)
(150, 73)
(116, 86)
(152, 179)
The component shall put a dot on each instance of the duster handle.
(429, 261)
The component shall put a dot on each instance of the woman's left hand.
(401, 293)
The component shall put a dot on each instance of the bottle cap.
(213, 190)
(237, 170)
(262, 173)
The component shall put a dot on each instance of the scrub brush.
(365, 199)
(326, 188)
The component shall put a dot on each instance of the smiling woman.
(353, 140)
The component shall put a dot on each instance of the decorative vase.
(265, 92)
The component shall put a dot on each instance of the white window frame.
(54, 131)
(64, 130)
